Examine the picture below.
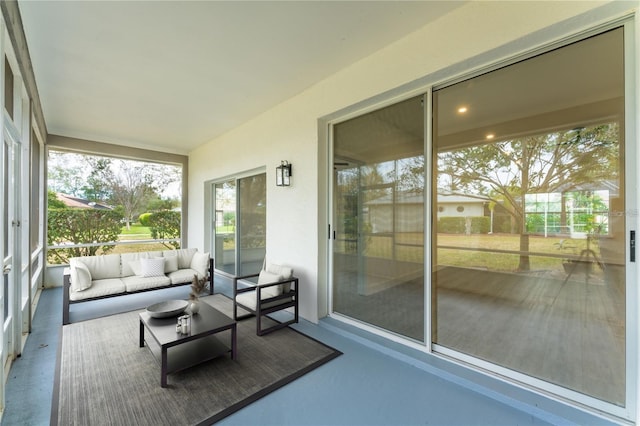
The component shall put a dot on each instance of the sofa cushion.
(136, 267)
(135, 283)
(200, 264)
(152, 267)
(102, 267)
(80, 275)
(170, 264)
(99, 288)
(131, 262)
(184, 256)
(182, 276)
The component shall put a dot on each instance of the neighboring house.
(409, 210)
(80, 203)
(460, 206)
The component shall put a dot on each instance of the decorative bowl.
(170, 308)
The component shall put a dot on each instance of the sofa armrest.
(66, 288)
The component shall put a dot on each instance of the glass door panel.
(252, 218)
(225, 226)
(8, 247)
(240, 224)
(378, 219)
(529, 226)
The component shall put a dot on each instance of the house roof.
(80, 203)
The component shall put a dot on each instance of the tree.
(97, 187)
(53, 202)
(130, 188)
(65, 173)
(506, 171)
(157, 203)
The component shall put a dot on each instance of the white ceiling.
(172, 75)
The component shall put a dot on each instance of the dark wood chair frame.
(66, 288)
(289, 300)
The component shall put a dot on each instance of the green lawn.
(136, 229)
(460, 250)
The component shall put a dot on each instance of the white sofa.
(96, 277)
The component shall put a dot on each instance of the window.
(8, 88)
(130, 200)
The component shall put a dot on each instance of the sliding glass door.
(240, 206)
(528, 246)
(378, 248)
(528, 240)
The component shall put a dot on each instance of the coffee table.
(177, 351)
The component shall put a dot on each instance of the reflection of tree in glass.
(506, 171)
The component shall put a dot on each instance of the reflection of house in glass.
(404, 211)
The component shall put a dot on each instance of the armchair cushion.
(248, 300)
(285, 273)
(267, 278)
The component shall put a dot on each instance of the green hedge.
(79, 226)
(457, 225)
(451, 225)
(480, 225)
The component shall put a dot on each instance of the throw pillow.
(286, 273)
(136, 267)
(152, 267)
(266, 278)
(80, 276)
(200, 264)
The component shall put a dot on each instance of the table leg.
(141, 334)
(163, 371)
(233, 342)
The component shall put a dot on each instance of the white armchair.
(276, 289)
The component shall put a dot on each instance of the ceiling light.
(462, 110)
(490, 136)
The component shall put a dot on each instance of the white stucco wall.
(289, 130)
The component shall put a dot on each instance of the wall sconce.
(283, 174)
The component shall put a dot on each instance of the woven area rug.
(105, 378)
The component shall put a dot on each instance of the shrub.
(78, 226)
(480, 224)
(144, 219)
(165, 225)
(451, 225)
